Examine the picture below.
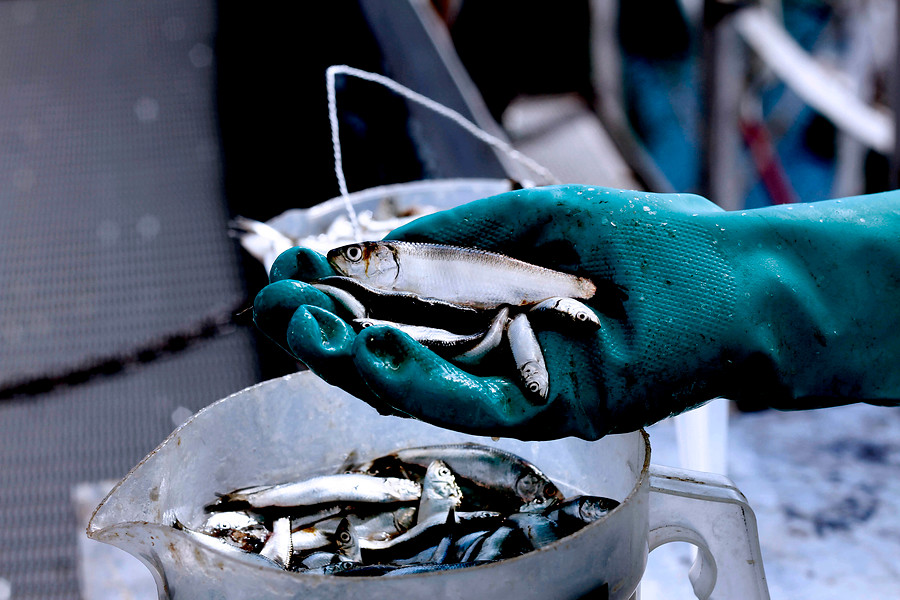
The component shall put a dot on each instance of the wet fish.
(464, 276)
(440, 492)
(217, 544)
(490, 340)
(496, 473)
(345, 487)
(317, 560)
(432, 527)
(570, 309)
(278, 547)
(246, 531)
(528, 356)
(407, 307)
(310, 538)
(575, 513)
(440, 340)
(345, 299)
(347, 542)
(537, 529)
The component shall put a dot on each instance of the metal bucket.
(298, 426)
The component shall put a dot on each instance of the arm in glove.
(795, 305)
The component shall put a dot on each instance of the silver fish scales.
(464, 276)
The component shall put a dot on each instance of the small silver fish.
(486, 467)
(217, 544)
(345, 299)
(465, 276)
(490, 340)
(347, 542)
(278, 547)
(571, 309)
(435, 338)
(440, 492)
(344, 487)
(309, 538)
(528, 356)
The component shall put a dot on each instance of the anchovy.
(574, 514)
(220, 545)
(529, 358)
(435, 338)
(408, 307)
(278, 547)
(490, 340)
(347, 542)
(345, 299)
(464, 276)
(345, 487)
(422, 529)
(569, 309)
(538, 529)
(440, 492)
(317, 560)
(487, 468)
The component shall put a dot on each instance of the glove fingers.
(414, 380)
(276, 303)
(300, 263)
(324, 343)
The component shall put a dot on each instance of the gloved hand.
(796, 305)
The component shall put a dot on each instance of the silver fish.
(486, 467)
(571, 309)
(538, 529)
(217, 544)
(317, 560)
(440, 492)
(435, 338)
(490, 340)
(310, 538)
(529, 358)
(344, 298)
(347, 542)
(344, 487)
(278, 547)
(246, 531)
(421, 529)
(464, 276)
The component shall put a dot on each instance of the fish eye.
(534, 386)
(345, 537)
(582, 316)
(353, 253)
(443, 471)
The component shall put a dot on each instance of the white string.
(427, 103)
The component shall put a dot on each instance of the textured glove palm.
(791, 305)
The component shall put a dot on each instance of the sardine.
(572, 515)
(317, 560)
(345, 299)
(431, 527)
(278, 547)
(310, 538)
(246, 531)
(217, 544)
(537, 529)
(528, 356)
(345, 487)
(442, 341)
(497, 474)
(570, 309)
(464, 276)
(504, 542)
(490, 340)
(440, 492)
(408, 307)
(347, 542)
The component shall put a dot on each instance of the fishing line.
(428, 103)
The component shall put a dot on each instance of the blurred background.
(131, 133)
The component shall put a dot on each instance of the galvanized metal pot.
(298, 426)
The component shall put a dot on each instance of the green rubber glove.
(797, 306)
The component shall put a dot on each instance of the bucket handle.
(708, 511)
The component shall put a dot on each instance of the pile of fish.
(415, 510)
(460, 302)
